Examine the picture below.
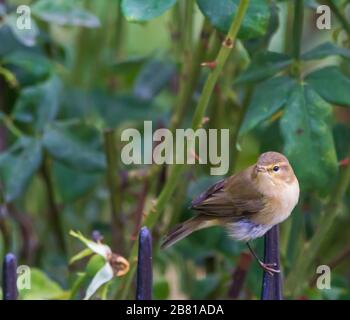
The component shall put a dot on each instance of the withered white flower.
(115, 265)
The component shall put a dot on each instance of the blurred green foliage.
(86, 67)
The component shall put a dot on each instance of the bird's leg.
(268, 267)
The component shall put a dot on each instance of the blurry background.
(88, 69)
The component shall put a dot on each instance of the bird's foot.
(268, 267)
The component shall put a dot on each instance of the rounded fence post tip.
(96, 236)
(144, 234)
(144, 266)
(9, 277)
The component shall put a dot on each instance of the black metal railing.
(9, 277)
(271, 286)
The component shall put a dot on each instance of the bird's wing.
(235, 196)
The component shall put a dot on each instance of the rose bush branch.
(175, 174)
(115, 194)
(54, 211)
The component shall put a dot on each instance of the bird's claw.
(268, 268)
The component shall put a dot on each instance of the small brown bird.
(248, 203)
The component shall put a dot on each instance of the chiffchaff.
(248, 203)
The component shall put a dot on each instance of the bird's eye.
(276, 168)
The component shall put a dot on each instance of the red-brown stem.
(30, 243)
(239, 275)
(53, 210)
(138, 214)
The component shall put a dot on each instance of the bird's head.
(273, 168)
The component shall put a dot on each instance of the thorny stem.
(188, 25)
(223, 54)
(190, 73)
(175, 29)
(288, 45)
(53, 210)
(189, 76)
(175, 174)
(115, 194)
(119, 31)
(298, 27)
(301, 268)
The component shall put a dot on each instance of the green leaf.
(71, 151)
(260, 44)
(143, 10)
(331, 84)
(42, 288)
(268, 98)
(221, 12)
(29, 67)
(161, 289)
(39, 104)
(154, 77)
(18, 165)
(124, 108)
(9, 42)
(77, 103)
(72, 184)
(264, 65)
(270, 137)
(80, 255)
(325, 50)
(96, 262)
(307, 133)
(64, 13)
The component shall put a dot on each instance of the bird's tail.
(182, 230)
